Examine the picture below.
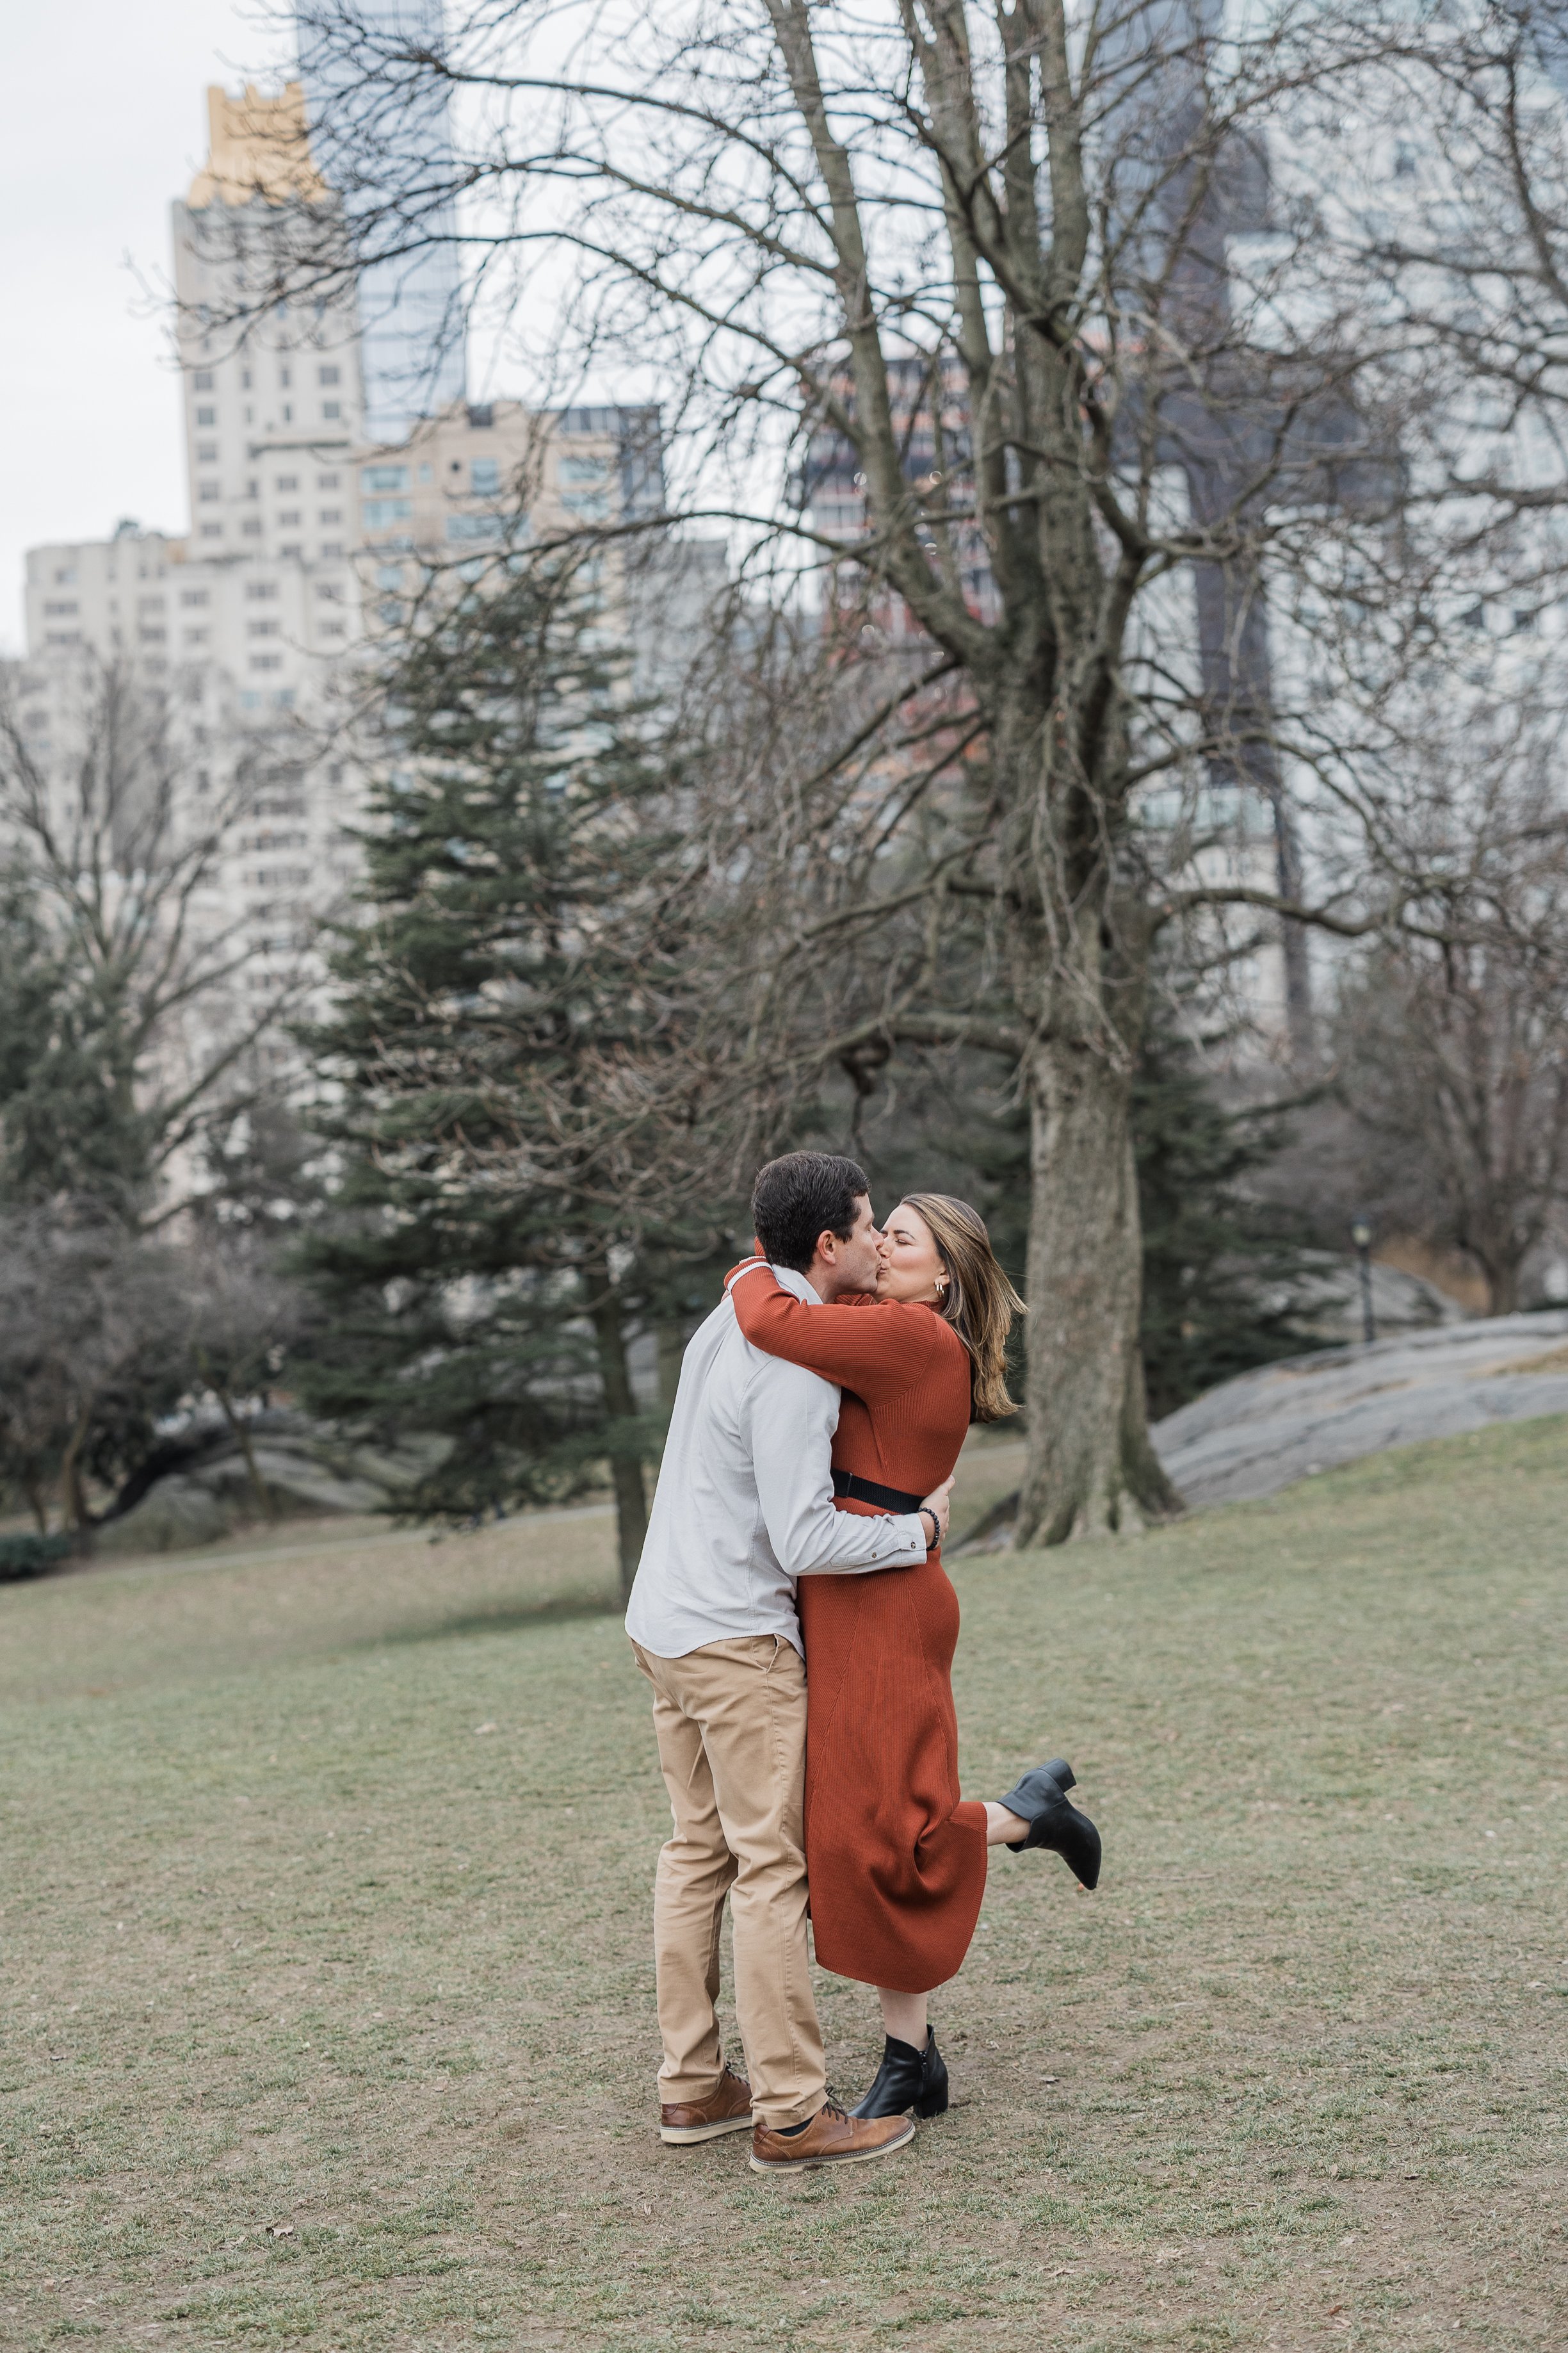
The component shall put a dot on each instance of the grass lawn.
(327, 1997)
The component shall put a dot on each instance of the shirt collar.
(798, 1284)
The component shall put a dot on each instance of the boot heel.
(932, 2104)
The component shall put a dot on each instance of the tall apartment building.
(332, 461)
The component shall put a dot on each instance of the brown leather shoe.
(727, 2110)
(830, 2139)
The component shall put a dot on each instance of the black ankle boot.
(1040, 1800)
(907, 2078)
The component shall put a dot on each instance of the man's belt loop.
(866, 1491)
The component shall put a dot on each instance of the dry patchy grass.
(327, 2004)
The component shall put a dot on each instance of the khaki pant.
(731, 1724)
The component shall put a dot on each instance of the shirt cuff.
(914, 1527)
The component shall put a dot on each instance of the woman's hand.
(937, 1503)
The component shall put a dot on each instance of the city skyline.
(104, 122)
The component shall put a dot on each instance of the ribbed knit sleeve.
(878, 1348)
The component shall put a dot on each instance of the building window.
(287, 414)
(62, 637)
(380, 514)
(286, 482)
(206, 453)
(152, 637)
(327, 376)
(582, 469)
(289, 521)
(66, 578)
(212, 531)
(251, 527)
(245, 379)
(259, 591)
(266, 661)
(484, 476)
(197, 636)
(333, 629)
(470, 527)
(383, 478)
(293, 549)
(203, 380)
(208, 493)
(61, 612)
(206, 417)
(284, 377)
(331, 551)
(332, 410)
(426, 473)
(195, 597)
(329, 591)
(264, 629)
(326, 482)
(253, 489)
(331, 514)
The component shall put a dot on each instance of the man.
(744, 1506)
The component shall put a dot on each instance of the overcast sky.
(102, 121)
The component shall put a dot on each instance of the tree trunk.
(1091, 1468)
(626, 1461)
(264, 1496)
(1503, 1273)
(73, 1496)
(38, 1502)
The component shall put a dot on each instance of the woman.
(896, 1860)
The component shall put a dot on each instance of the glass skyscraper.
(411, 305)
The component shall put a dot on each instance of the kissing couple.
(790, 1611)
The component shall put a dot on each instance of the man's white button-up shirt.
(745, 1503)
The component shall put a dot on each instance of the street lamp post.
(1360, 1234)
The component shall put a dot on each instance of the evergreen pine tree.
(507, 1087)
(1221, 1269)
(69, 1123)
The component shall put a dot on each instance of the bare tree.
(93, 1349)
(953, 316)
(1452, 1040)
(134, 1034)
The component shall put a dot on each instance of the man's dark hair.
(800, 1195)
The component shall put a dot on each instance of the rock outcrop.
(1255, 1434)
(304, 1470)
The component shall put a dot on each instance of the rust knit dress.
(896, 1862)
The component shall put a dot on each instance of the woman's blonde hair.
(979, 1302)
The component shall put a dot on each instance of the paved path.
(1257, 1433)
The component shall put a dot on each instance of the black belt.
(866, 1491)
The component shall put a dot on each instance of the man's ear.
(828, 1247)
